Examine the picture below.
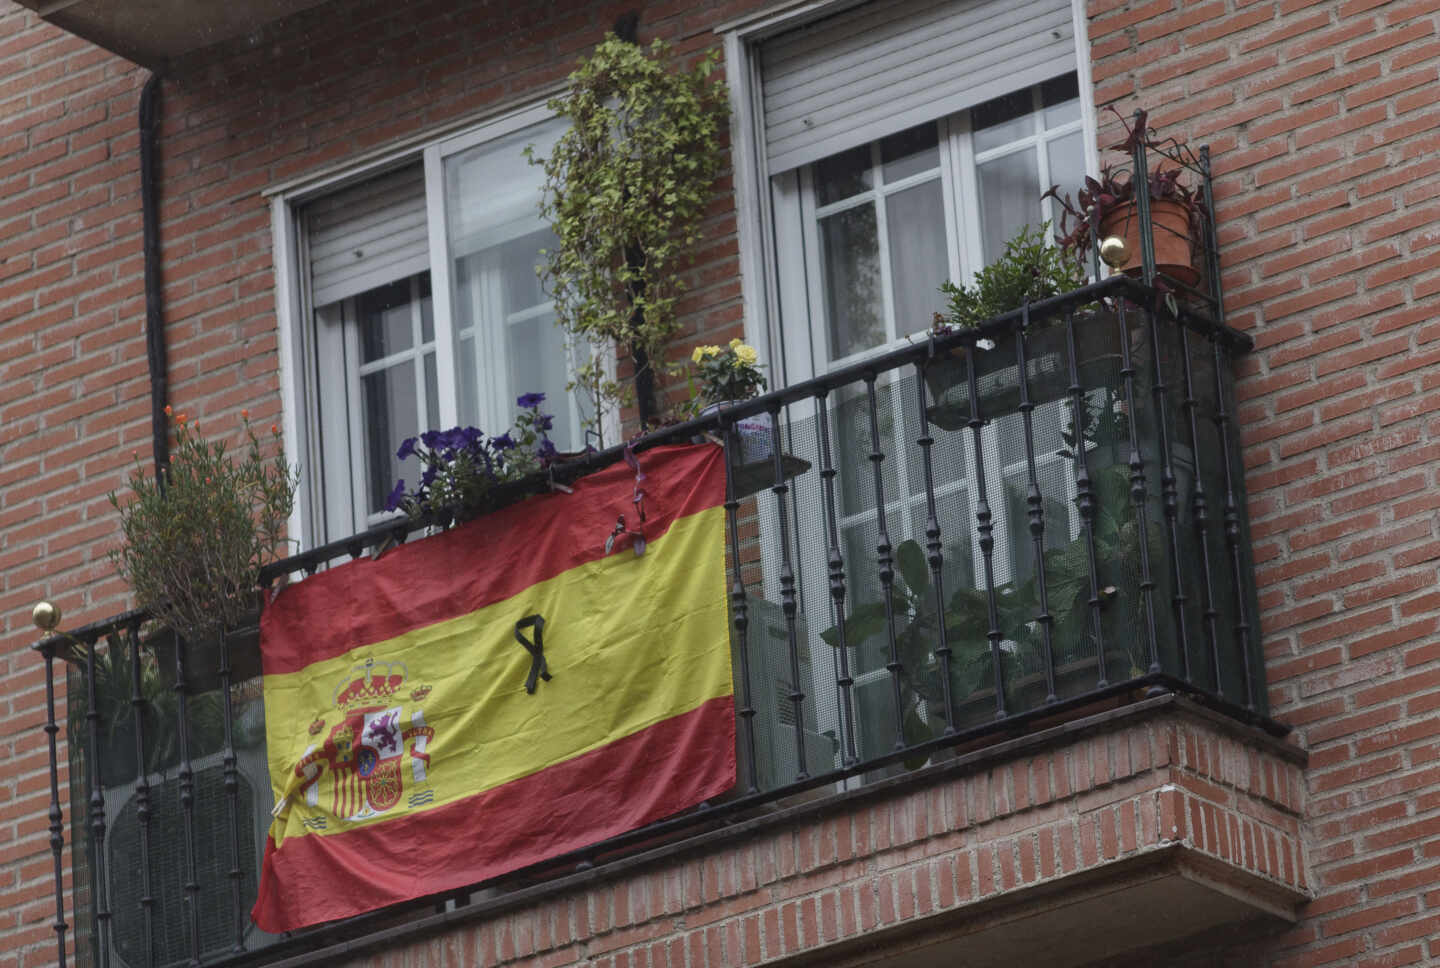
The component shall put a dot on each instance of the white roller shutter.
(884, 67)
(368, 235)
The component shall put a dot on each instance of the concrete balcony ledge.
(1128, 829)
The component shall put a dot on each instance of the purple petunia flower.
(503, 442)
(407, 447)
(396, 496)
(429, 438)
(529, 401)
(428, 476)
(545, 422)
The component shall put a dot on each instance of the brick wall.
(1325, 125)
(1323, 121)
(74, 388)
(72, 397)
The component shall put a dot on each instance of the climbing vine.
(625, 189)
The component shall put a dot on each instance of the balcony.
(979, 545)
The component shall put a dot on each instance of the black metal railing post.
(985, 526)
(1169, 499)
(97, 809)
(231, 772)
(138, 703)
(1200, 513)
(1230, 510)
(1231, 518)
(787, 594)
(186, 774)
(1136, 462)
(739, 613)
(55, 815)
(835, 563)
(1085, 500)
(885, 560)
(934, 554)
(1035, 506)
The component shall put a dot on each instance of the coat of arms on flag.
(422, 734)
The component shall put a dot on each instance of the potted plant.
(462, 468)
(626, 187)
(724, 375)
(1107, 205)
(1029, 270)
(194, 539)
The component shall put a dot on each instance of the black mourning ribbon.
(538, 667)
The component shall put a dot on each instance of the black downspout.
(627, 29)
(154, 318)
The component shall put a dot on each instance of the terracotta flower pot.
(1170, 229)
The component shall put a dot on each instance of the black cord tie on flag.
(538, 667)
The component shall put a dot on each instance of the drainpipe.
(154, 321)
(627, 29)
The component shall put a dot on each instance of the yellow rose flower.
(735, 342)
(746, 354)
(712, 351)
(698, 355)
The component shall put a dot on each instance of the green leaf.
(910, 559)
(862, 622)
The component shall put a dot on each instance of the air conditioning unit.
(768, 646)
(213, 862)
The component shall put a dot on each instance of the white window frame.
(763, 233)
(301, 349)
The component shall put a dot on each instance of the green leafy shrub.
(1029, 270)
(193, 549)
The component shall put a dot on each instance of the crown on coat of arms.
(376, 684)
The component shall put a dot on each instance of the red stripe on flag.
(636, 780)
(483, 561)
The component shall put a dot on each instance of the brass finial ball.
(1113, 251)
(46, 616)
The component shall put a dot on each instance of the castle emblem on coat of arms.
(363, 758)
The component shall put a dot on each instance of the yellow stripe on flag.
(630, 642)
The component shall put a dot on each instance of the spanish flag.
(497, 695)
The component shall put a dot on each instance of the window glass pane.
(507, 340)
(843, 175)
(915, 221)
(519, 260)
(850, 254)
(531, 343)
(389, 403)
(465, 371)
(1067, 166)
(427, 310)
(1003, 120)
(1061, 99)
(386, 324)
(1009, 198)
(910, 152)
(432, 394)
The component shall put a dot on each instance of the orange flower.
(245, 414)
(274, 430)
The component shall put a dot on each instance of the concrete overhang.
(154, 32)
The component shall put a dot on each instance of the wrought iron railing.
(958, 538)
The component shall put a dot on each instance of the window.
(899, 144)
(425, 311)
(880, 226)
